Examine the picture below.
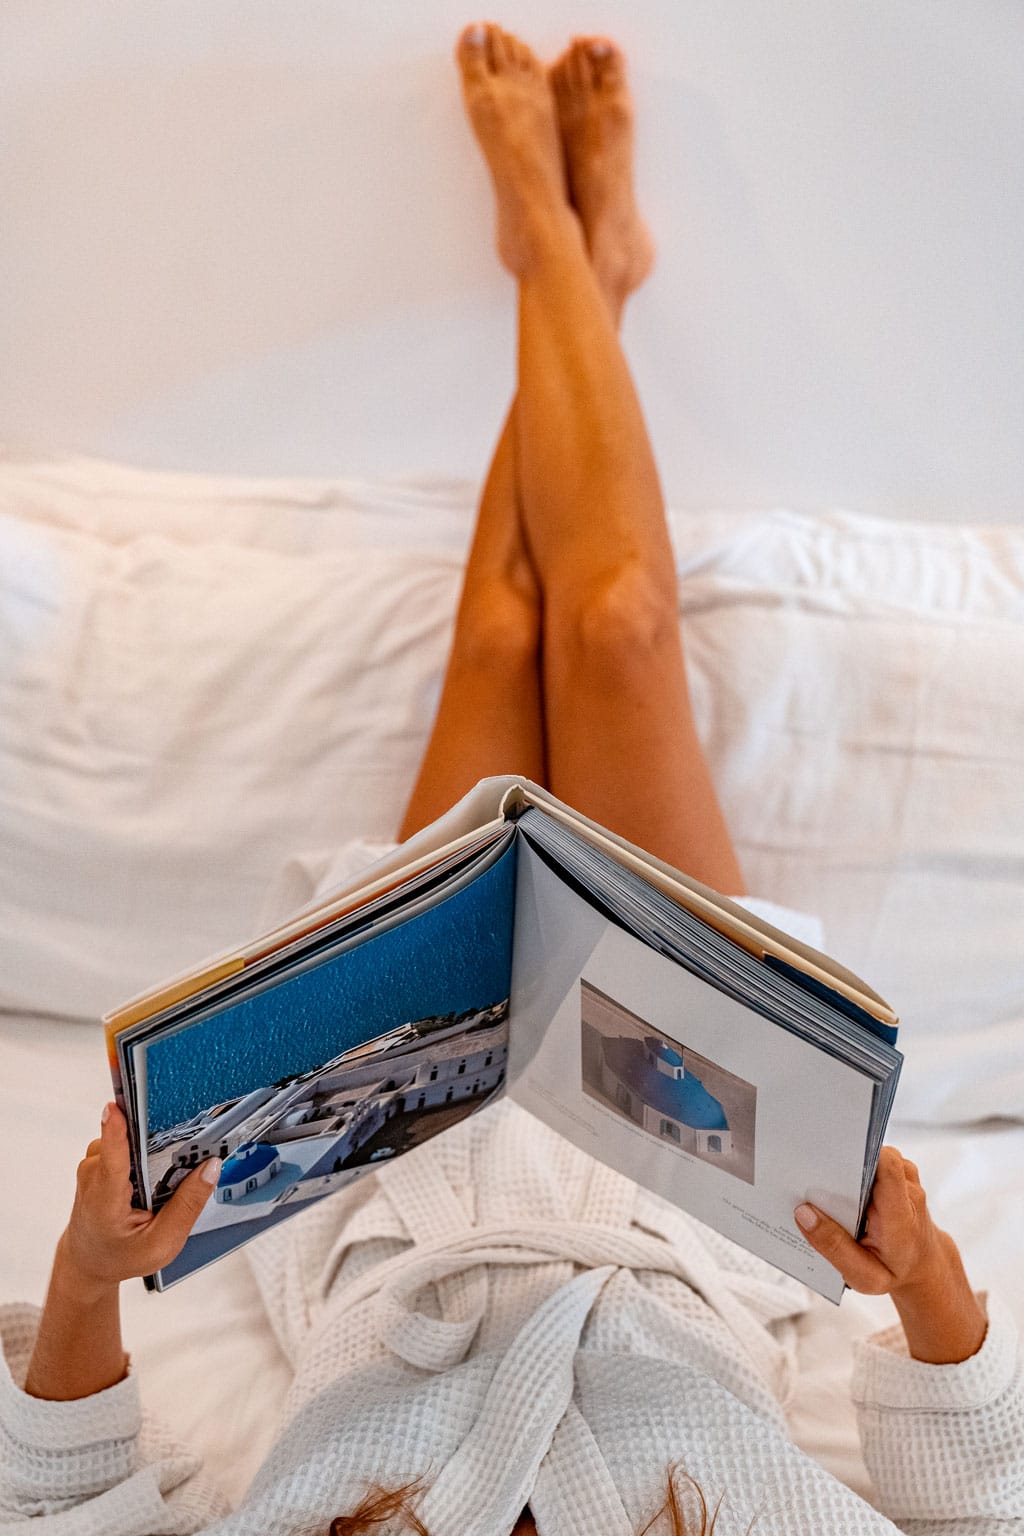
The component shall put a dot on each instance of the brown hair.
(379, 1505)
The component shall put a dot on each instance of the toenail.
(476, 36)
(599, 50)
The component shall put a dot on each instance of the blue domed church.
(254, 1164)
(647, 1081)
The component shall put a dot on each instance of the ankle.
(615, 287)
(552, 232)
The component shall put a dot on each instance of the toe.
(580, 65)
(518, 51)
(497, 51)
(471, 51)
(523, 55)
(608, 63)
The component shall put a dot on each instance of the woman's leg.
(620, 737)
(490, 716)
(489, 719)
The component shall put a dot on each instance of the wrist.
(72, 1282)
(943, 1321)
(78, 1347)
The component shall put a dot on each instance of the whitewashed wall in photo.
(256, 236)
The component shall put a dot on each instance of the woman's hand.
(106, 1240)
(905, 1255)
(900, 1243)
(78, 1347)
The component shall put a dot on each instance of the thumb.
(170, 1228)
(859, 1268)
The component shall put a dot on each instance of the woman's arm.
(78, 1349)
(943, 1321)
(74, 1451)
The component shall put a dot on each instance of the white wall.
(256, 236)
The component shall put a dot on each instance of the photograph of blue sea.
(451, 959)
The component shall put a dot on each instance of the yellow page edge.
(191, 983)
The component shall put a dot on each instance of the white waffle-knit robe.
(518, 1323)
(501, 1312)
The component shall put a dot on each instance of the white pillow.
(198, 680)
(860, 688)
(202, 679)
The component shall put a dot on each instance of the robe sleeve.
(96, 1466)
(944, 1444)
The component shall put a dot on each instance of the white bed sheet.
(207, 1358)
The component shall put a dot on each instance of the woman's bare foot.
(512, 110)
(595, 113)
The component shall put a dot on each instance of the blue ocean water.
(454, 957)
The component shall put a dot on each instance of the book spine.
(844, 1005)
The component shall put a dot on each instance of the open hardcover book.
(514, 946)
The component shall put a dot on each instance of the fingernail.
(211, 1170)
(599, 50)
(806, 1217)
(105, 1116)
(476, 36)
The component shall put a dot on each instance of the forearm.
(942, 1319)
(78, 1349)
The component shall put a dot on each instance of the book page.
(678, 1086)
(304, 1087)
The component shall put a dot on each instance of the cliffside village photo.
(307, 1134)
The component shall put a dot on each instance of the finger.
(889, 1199)
(860, 1269)
(894, 1162)
(890, 1163)
(91, 1164)
(169, 1230)
(115, 1157)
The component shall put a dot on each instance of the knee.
(500, 628)
(622, 620)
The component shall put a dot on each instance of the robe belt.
(393, 1286)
